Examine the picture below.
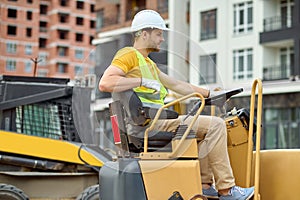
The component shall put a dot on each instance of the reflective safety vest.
(146, 95)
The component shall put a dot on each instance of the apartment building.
(240, 40)
(224, 44)
(50, 38)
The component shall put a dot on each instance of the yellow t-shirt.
(127, 60)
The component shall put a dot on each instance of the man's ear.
(144, 34)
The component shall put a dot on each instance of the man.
(131, 68)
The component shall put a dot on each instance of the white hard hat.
(148, 19)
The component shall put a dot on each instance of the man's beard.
(153, 49)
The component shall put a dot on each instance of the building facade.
(49, 38)
(224, 44)
(240, 40)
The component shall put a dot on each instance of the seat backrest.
(130, 109)
(132, 106)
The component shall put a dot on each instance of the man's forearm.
(118, 84)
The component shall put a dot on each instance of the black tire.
(90, 193)
(10, 192)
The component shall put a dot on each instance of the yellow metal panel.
(45, 148)
(280, 174)
(237, 134)
(237, 142)
(162, 178)
(189, 148)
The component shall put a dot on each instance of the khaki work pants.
(213, 155)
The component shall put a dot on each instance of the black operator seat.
(137, 115)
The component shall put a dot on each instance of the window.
(43, 9)
(29, 15)
(286, 13)
(91, 39)
(242, 64)
(43, 26)
(282, 128)
(208, 25)
(287, 57)
(80, 5)
(208, 69)
(28, 32)
(11, 47)
(79, 20)
(64, 3)
(42, 72)
(62, 51)
(78, 70)
(28, 49)
(92, 24)
(28, 67)
(243, 19)
(92, 8)
(42, 42)
(11, 30)
(29, 1)
(12, 13)
(99, 19)
(43, 58)
(63, 18)
(79, 37)
(163, 6)
(63, 34)
(79, 54)
(62, 68)
(11, 65)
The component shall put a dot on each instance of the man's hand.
(152, 84)
(217, 91)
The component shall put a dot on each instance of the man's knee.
(218, 124)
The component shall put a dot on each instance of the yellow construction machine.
(48, 149)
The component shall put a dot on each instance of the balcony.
(277, 23)
(276, 72)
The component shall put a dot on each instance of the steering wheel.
(218, 100)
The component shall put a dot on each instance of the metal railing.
(276, 72)
(277, 23)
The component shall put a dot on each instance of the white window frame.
(243, 64)
(43, 58)
(28, 49)
(79, 54)
(78, 69)
(289, 5)
(62, 68)
(28, 67)
(11, 47)
(246, 26)
(11, 65)
(209, 66)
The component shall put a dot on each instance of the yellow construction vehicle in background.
(48, 149)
